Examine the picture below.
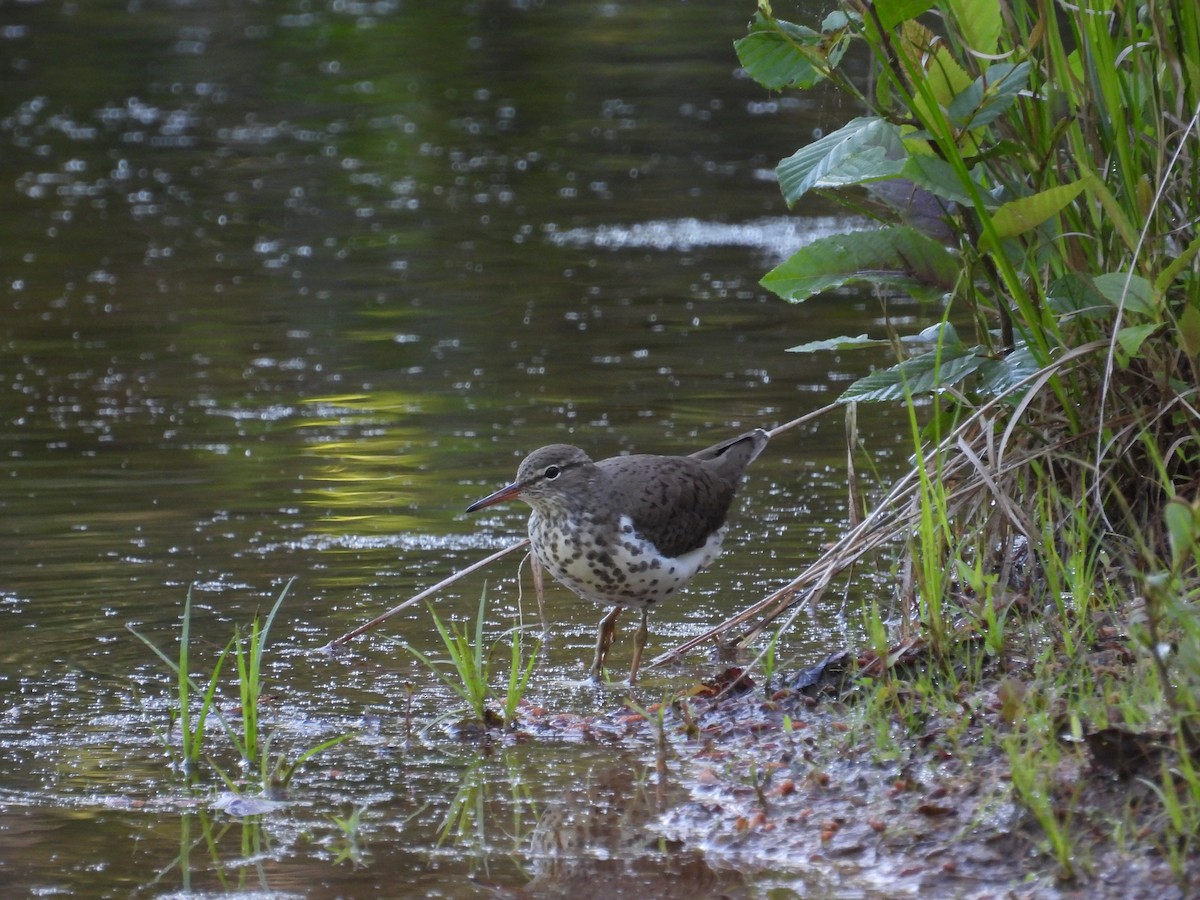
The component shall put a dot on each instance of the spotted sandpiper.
(630, 530)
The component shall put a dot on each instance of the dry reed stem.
(445, 582)
(897, 514)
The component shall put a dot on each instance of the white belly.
(624, 570)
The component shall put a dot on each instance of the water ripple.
(777, 237)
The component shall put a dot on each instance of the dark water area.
(285, 287)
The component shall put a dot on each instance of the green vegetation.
(1033, 172)
(471, 668)
(273, 773)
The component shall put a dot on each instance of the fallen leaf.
(932, 809)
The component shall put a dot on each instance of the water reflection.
(598, 840)
(776, 239)
(285, 286)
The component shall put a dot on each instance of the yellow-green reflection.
(363, 480)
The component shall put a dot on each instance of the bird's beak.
(505, 493)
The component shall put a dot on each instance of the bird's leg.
(604, 639)
(539, 590)
(639, 643)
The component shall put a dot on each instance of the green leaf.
(979, 23)
(1131, 337)
(892, 12)
(938, 177)
(989, 96)
(1138, 298)
(1177, 265)
(1076, 296)
(996, 376)
(898, 256)
(944, 77)
(1183, 531)
(1112, 208)
(839, 19)
(922, 374)
(778, 54)
(1026, 213)
(863, 150)
(838, 343)
(943, 334)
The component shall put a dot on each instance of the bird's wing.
(679, 505)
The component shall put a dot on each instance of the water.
(286, 286)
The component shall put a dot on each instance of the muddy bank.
(743, 782)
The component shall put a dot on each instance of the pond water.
(286, 286)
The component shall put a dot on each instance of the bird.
(628, 531)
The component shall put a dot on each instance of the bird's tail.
(735, 453)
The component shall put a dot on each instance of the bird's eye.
(552, 472)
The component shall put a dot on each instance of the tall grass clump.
(1032, 170)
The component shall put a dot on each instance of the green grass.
(249, 650)
(186, 737)
(350, 845)
(469, 674)
(190, 749)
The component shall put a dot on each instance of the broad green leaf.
(979, 23)
(1116, 215)
(942, 333)
(937, 78)
(899, 256)
(1138, 298)
(837, 20)
(1131, 337)
(999, 375)
(1075, 295)
(862, 150)
(1183, 531)
(945, 77)
(838, 343)
(989, 96)
(938, 177)
(1026, 213)
(922, 374)
(778, 54)
(893, 12)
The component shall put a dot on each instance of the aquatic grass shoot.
(468, 659)
(274, 772)
(191, 731)
(350, 845)
(1034, 754)
(249, 650)
(470, 672)
(520, 668)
